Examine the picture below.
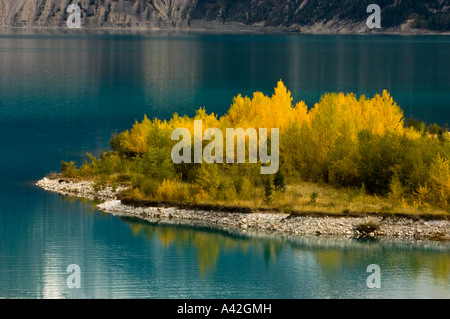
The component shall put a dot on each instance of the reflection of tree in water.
(335, 260)
(271, 251)
(413, 260)
(209, 244)
(437, 264)
(441, 268)
(91, 204)
(333, 256)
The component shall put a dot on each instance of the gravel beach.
(275, 223)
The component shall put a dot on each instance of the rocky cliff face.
(166, 14)
(180, 14)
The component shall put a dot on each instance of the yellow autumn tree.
(134, 141)
(262, 111)
(440, 180)
(381, 115)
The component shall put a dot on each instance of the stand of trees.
(342, 140)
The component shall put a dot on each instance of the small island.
(350, 166)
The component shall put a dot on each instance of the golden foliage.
(440, 180)
(135, 140)
(342, 140)
(173, 190)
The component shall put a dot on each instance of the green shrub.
(173, 190)
(397, 191)
(313, 197)
(69, 170)
(226, 190)
(148, 187)
(100, 183)
(246, 188)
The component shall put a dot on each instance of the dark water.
(62, 95)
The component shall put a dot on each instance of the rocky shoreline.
(82, 189)
(266, 222)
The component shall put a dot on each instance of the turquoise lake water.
(62, 95)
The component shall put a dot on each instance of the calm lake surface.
(63, 95)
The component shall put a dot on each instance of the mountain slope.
(180, 14)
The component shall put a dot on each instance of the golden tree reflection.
(208, 244)
(332, 256)
(415, 262)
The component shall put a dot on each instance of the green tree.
(278, 182)
(268, 191)
(69, 170)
